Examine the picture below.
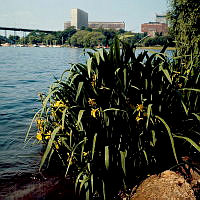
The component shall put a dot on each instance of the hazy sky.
(51, 14)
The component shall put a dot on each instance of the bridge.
(25, 30)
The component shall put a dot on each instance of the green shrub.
(119, 117)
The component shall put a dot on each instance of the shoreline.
(156, 48)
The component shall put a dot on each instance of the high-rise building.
(67, 24)
(161, 18)
(79, 18)
(107, 25)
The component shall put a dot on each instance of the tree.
(63, 36)
(85, 38)
(184, 20)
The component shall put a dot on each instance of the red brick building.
(152, 28)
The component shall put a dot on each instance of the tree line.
(87, 37)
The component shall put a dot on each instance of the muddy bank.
(37, 187)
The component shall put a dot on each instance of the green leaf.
(44, 104)
(94, 144)
(89, 66)
(170, 136)
(72, 154)
(113, 109)
(80, 85)
(27, 134)
(153, 143)
(92, 182)
(104, 190)
(101, 52)
(122, 37)
(97, 57)
(84, 181)
(165, 71)
(125, 75)
(195, 145)
(145, 155)
(185, 108)
(107, 157)
(78, 180)
(190, 89)
(197, 116)
(123, 160)
(80, 114)
(149, 110)
(63, 118)
(49, 146)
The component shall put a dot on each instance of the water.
(24, 72)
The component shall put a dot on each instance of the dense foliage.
(122, 116)
(157, 41)
(87, 39)
(185, 19)
(111, 120)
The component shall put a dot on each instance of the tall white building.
(79, 18)
(161, 19)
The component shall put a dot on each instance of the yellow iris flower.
(92, 102)
(85, 153)
(59, 104)
(39, 136)
(139, 107)
(138, 118)
(94, 112)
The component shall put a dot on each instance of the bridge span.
(24, 30)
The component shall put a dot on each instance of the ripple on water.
(24, 73)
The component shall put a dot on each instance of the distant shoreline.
(157, 48)
(147, 48)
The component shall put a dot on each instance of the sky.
(51, 14)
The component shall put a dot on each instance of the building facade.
(152, 28)
(161, 19)
(79, 18)
(107, 25)
(67, 25)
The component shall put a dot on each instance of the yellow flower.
(85, 153)
(39, 136)
(94, 78)
(92, 102)
(56, 145)
(48, 135)
(139, 107)
(39, 121)
(138, 118)
(59, 104)
(180, 85)
(94, 112)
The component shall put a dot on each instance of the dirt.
(167, 185)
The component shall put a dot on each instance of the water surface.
(24, 72)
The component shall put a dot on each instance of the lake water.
(24, 72)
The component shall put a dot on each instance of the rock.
(167, 185)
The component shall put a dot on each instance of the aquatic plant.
(119, 117)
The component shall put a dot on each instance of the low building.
(152, 28)
(107, 25)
